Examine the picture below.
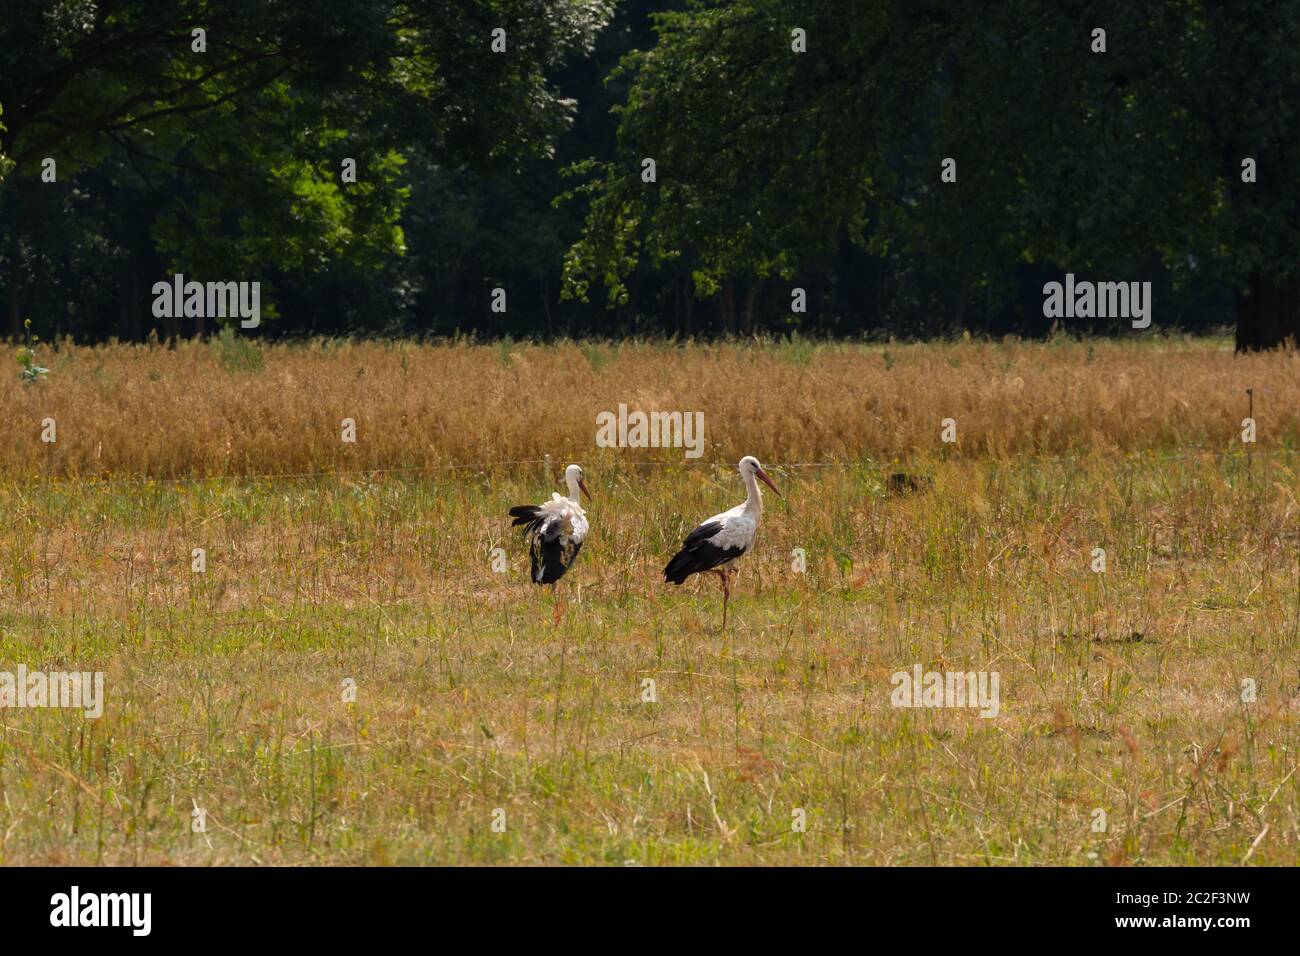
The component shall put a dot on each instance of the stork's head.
(749, 466)
(573, 478)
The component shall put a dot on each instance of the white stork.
(555, 530)
(717, 543)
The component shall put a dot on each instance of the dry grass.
(1119, 691)
(236, 408)
(476, 691)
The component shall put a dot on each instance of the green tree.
(239, 144)
(1121, 161)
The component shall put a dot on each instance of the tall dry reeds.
(232, 407)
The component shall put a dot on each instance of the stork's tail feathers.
(680, 567)
(524, 515)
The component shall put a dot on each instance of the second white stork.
(555, 529)
(718, 543)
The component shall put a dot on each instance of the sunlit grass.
(478, 691)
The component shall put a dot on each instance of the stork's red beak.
(582, 485)
(761, 475)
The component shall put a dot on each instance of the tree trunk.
(751, 302)
(690, 306)
(677, 303)
(546, 308)
(135, 306)
(959, 307)
(15, 296)
(1268, 314)
(15, 282)
(727, 307)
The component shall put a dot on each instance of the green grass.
(477, 691)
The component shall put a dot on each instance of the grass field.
(476, 692)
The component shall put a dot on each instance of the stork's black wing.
(699, 553)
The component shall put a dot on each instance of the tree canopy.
(1114, 154)
(227, 123)
(915, 167)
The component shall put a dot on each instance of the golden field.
(232, 407)
(482, 698)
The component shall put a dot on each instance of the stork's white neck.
(572, 482)
(754, 502)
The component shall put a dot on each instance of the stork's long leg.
(557, 603)
(726, 598)
(726, 592)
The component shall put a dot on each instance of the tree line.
(890, 168)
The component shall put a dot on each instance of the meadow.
(349, 680)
